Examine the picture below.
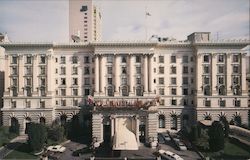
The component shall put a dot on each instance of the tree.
(216, 136)
(225, 126)
(37, 135)
(56, 133)
(194, 133)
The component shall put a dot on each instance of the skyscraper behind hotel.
(84, 20)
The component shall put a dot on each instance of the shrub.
(56, 133)
(216, 136)
(37, 135)
(14, 129)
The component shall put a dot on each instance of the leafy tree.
(194, 133)
(216, 136)
(37, 135)
(56, 133)
(225, 126)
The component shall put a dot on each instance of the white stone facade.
(58, 84)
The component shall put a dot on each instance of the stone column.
(117, 75)
(150, 74)
(20, 75)
(243, 74)
(49, 75)
(102, 69)
(131, 75)
(35, 70)
(7, 73)
(145, 69)
(96, 75)
(228, 74)
(97, 129)
(137, 130)
(214, 71)
(199, 73)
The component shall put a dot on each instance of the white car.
(182, 146)
(57, 148)
(169, 155)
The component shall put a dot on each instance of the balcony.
(124, 103)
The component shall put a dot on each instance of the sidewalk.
(14, 143)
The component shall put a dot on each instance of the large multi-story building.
(184, 82)
(84, 20)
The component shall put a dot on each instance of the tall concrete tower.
(84, 20)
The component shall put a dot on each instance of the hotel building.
(150, 86)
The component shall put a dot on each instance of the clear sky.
(47, 20)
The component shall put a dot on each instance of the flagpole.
(146, 24)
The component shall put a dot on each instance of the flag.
(90, 100)
(148, 14)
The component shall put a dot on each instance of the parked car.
(57, 148)
(169, 155)
(182, 146)
(166, 136)
(160, 139)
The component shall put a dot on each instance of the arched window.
(174, 122)
(207, 90)
(161, 121)
(110, 91)
(14, 126)
(124, 91)
(237, 120)
(221, 90)
(236, 90)
(139, 91)
(207, 117)
(42, 120)
(63, 119)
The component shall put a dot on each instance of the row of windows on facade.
(28, 91)
(221, 69)
(28, 104)
(221, 80)
(221, 90)
(222, 103)
(221, 58)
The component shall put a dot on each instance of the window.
(63, 81)
(220, 69)
(28, 60)
(13, 104)
(237, 103)
(207, 103)
(63, 102)
(124, 81)
(235, 58)
(173, 59)
(161, 59)
(14, 60)
(14, 70)
(28, 92)
(86, 59)
(174, 122)
(124, 91)
(162, 102)
(138, 70)
(139, 91)
(110, 91)
(28, 104)
(75, 92)
(74, 59)
(173, 102)
(191, 69)
(43, 91)
(86, 70)
(124, 70)
(222, 103)
(185, 102)
(63, 70)
(185, 91)
(236, 80)
(56, 70)
(42, 70)
(110, 70)
(74, 70)
(161, 70)
(75, 102)
(161, 91)
(161, 121)
(236, 69)
(206, 58)
(110, 59)
(42, 104)
(86, 91)
(173, 70)
(75, 81)
(14, 91)
(138, 80)
(161, 80)
(185, 59)
(87, 81)
(173, 80)
(206, 90)
(185, 69)
(28, 71)
(63, 60)
(221, 90)
(220, 58)
(138, 59)
(236, 90)
(206, 80)
(185, 80)
(14, 82)
(63, 92)
(124, 59)
(42, 59)
(173, 91)
(109, 80)
(56, 60)
(28, 81)
(205, 69)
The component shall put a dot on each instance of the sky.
(47, 20)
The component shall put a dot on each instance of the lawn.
(22, 152)
(231, 151)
